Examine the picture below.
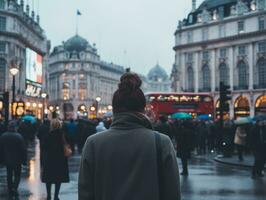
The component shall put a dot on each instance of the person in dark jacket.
(184, 144)
(258, 144)
(55, 163)
(14, 155)
(163, 127)
(42, 133)
(129, 161)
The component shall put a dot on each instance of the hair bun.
(129, 82)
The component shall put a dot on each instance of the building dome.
(76, 43)
(157, 73)
(211, 4)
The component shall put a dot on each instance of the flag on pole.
(78, 12)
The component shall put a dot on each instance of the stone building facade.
(224, 41)
(77, 76)
(20, 36)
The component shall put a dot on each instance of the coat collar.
(130, 120)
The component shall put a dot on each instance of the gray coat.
(121, 164)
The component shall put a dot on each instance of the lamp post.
(44, 96)
(13, 71)
(98, 99)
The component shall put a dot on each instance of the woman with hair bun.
(129, 161)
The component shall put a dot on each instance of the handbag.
(67, 148)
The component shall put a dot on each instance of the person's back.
(14, 149)
(123, 162)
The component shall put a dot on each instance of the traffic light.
(225, 95)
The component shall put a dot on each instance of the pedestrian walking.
(14, 154)
(240, 140)
(55, 162)
(163, 126)
(258, 144)
(42, 133)
(130, 161)
(100, 127)
(184, 144)
(71, 131)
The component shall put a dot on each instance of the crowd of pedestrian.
(146, 149)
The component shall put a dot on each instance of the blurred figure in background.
(71, 130)
(55, 163)
(42, 133)
(100, 127)
(14, 154)
(240, 140)
(163, 126)
(258, 145)
(184, 144)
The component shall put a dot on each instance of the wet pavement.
(207, 180)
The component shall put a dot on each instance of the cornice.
(204, 44)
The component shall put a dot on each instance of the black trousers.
(13, 177)
(184, 161)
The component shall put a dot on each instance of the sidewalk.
(247, 162)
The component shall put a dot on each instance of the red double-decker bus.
(169, 103)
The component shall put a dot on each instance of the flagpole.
(77, 21)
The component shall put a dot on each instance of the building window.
(2, 4)
(221, 12)
(2, 23)
(223, 53)
(206, 77)
(66, 91)
(190, 78)
(262, 72)
(189, 57)
(262, 47)
(242, 75)
(242, 50)
(241, 27)
(205, 55)
(222, 31)
(2, 74)
(223, 73)
(261, 4)
(2, 47)
(189, 36)
(261, 23)
(205, 34)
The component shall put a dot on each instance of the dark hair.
(129, 97)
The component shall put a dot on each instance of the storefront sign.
(33, 89)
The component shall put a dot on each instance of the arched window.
(223, 74)
(262, 72)
(2, 74)
(190, 78)
(206, 77)
(242, 75)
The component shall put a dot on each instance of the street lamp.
(13, 71)
(98, 99)
(44, 95)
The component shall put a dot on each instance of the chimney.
(194, 5)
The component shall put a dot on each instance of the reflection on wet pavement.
(207, 180)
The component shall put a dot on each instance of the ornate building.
(157, 80)
(23, 45)
(224, 40)
(77, 76)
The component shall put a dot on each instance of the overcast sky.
(131, 33)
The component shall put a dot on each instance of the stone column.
(183, 71)
(231, 67)
(196, 71)
(250, 64)
(212, 67)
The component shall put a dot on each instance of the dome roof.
(209, 4)
(76, 43)
(156, 73)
